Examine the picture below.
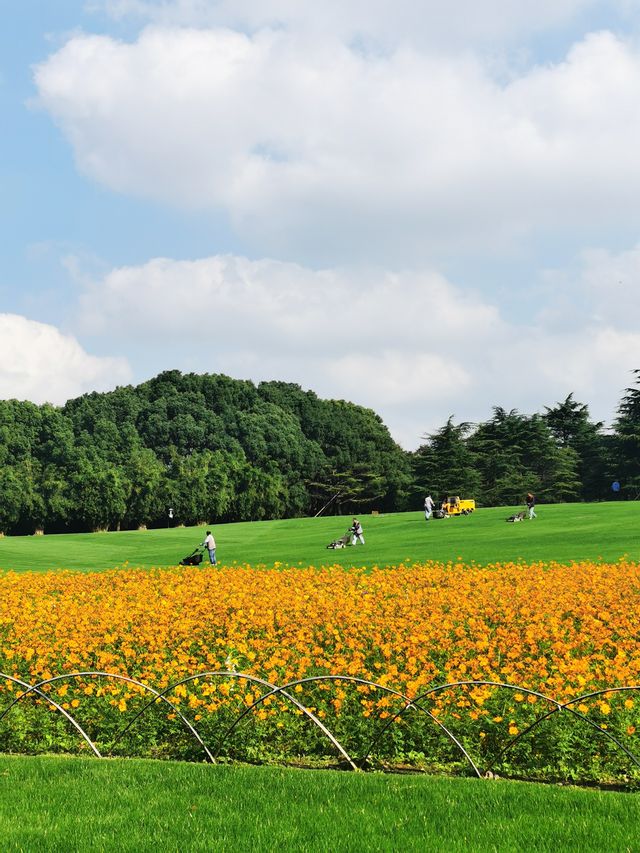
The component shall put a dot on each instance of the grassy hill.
(562, 532)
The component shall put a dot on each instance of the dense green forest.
(212, 448)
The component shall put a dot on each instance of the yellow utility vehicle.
(456, 506)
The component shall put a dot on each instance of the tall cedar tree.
(572, 428)
(627, 441)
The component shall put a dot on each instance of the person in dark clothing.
(531, 502)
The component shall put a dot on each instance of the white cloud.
(431, 21)
(612, 285)
(412, 346)
(284, 304)
(602, 354)
(39, 363)
(593, 362)
(401, 377)
(319, 152)
(601, 289)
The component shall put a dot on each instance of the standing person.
(210, 544)
(356, 532)
(531, 502)
(428, 507)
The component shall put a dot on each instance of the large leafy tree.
(19, 498)
(344, 445)
(201, 487)
(98, 491)
(357, 490)
(146, 480)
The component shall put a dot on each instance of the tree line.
(212, 448)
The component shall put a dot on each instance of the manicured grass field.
(562, 533)
(52, 803)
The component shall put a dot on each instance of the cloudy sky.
(425, 208)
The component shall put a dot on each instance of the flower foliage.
(560, 630)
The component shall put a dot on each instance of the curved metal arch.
(118, 677)
(396, 716)
(450, 684)
(559, 705)
(254, 679)
(34, 689)
(565, 706)
(356, 680)
(282, 690)
(595, 693)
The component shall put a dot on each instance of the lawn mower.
(193, 559)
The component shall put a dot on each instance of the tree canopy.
(209, 447)
(213, 448)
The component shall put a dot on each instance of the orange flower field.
(561, 630)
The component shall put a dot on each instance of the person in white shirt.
(356, 532)
(210, 544)
(428, 507)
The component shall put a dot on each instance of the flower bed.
(562, 631)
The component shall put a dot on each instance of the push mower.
(193, 559)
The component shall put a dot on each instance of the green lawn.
(72, 804)
(563, 532)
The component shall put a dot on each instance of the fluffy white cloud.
(320, 152)
(272, 303)
(412, 346)
(430, 21)
(39, 363)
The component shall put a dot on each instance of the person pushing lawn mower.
(195, 557)
(210, 544)
(356, 532)
(353, 535)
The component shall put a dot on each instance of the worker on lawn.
(210, 544)
(428, 507)
(531, 502)
(356, 532)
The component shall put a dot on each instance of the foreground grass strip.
(49, 803)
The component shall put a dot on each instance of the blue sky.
(425, 211)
